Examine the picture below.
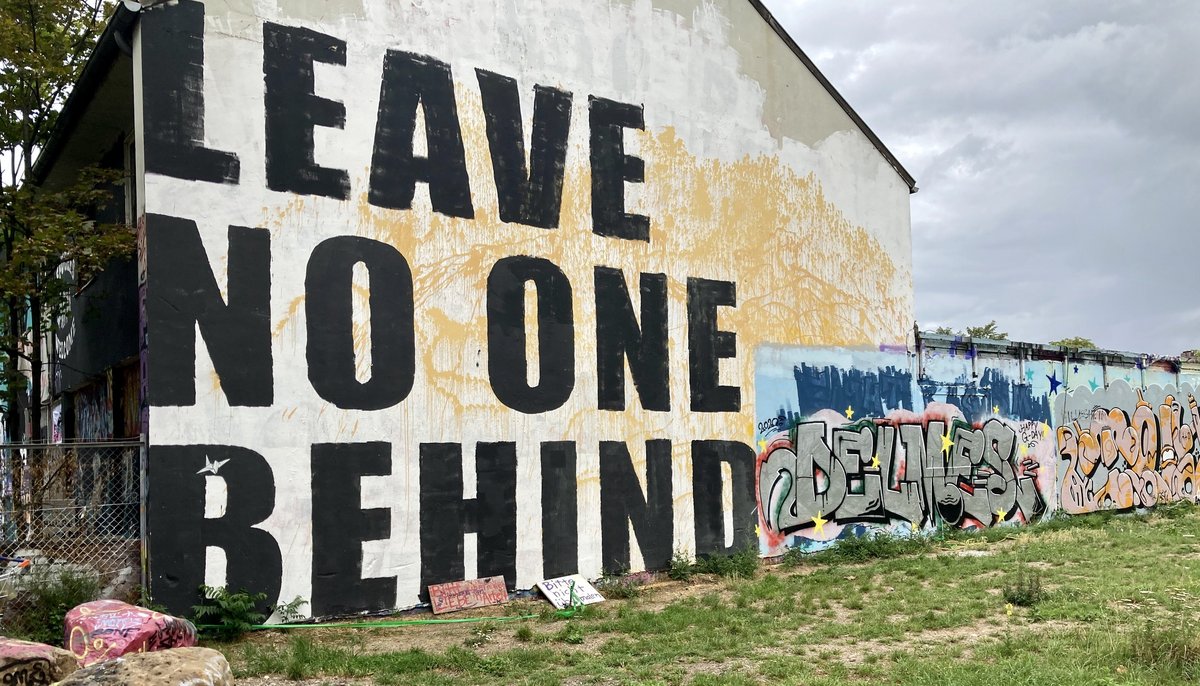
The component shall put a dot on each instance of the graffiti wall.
(450, 290)
(855, 441)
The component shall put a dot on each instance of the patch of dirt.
(983, 630)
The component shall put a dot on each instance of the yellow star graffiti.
(1024, 450)
(757, 530)
(762, 444)
(1045, 429)
(849, 412)
(820, 522)
(995, 409)
(1000, 515)
(874, 462)
(947, 444)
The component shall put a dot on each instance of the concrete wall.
(853, 441)
(383, 353)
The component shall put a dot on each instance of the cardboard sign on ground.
(461, 595)
(558, 591)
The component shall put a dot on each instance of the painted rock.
(104, 629)
(170, 667)
(33, 664)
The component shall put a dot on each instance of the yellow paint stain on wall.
(804, 275)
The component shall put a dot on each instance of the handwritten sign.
(558, 591)
(462, 595)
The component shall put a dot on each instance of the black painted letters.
(292, 110)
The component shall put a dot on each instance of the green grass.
(1104, 600)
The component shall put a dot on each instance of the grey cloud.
(1057, 151)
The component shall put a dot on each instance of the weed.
(524, 634)
(37, 612)
(227, 616)
(141, 598)
(571, 633)
(480, 634)
(619, 587)
(682, 568)
(742, 564)
(1026, 590)
(1173, 509)
(1174, 644)
(289, 613)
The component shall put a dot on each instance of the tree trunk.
(12, 416)
(35, 367)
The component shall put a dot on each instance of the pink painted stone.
(33, 664)
(104, 629)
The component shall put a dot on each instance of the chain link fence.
(71, 508)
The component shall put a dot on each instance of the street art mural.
(428, 297)
(851, 442)
(1125, 448)
(901, 453)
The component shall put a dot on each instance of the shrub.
(524, 634)
(37, 612)
(681, 566)
(742, 564)
(227, 616)
(1026, 590)
(289, 613)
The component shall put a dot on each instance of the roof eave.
(812, 67)
(116, 33)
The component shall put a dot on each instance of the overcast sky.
(1056, 146)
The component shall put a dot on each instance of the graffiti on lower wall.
(855, 441)
(862, 441)
(906, 468)
(1124, 448)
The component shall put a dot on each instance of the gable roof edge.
(812, 67)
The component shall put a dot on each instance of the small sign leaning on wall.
(558, 591)
(462, 595)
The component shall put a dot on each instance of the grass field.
(1097, 599)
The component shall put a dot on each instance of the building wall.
(854, 441)
(410, 372)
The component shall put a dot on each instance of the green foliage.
(619, 587)
(681, 566)
(989, 330)
(524, 633)
(290, 613)
(141, 598)
(1026, 590)
(1075, 342)
(741, 565)
(37, 612)
(227, 616)
(480, 634)
(1172, 642)
(879, 546)
(572, 633)
(48, 247)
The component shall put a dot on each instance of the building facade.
(432, 291)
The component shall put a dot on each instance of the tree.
(44, 45)
(1075, 342)
(989, 330)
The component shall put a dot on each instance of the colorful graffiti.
(951, 437)
(1119, 458)
(917, 470)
